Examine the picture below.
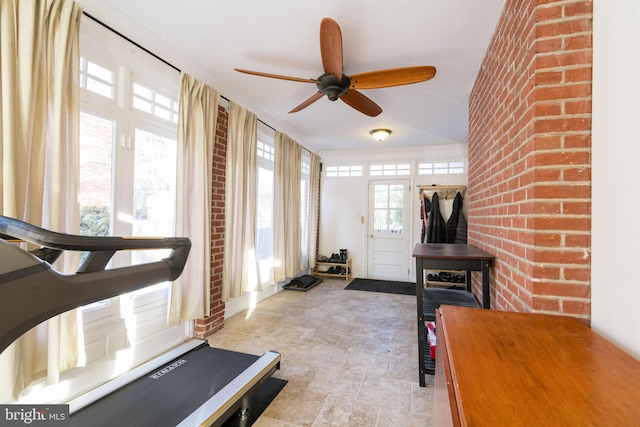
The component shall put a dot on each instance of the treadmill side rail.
(219, 407)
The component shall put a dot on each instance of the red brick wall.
(529, 196)
(215, 320)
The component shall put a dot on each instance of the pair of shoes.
(322, 258)
(335, 258)
(459, 278)
(445, 277)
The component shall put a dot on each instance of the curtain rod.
(113, 30)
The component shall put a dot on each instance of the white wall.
(616, 152)
(345, 200)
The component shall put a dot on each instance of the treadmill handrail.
(36, 293)
(16, 229)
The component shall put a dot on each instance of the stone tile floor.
(350, 357)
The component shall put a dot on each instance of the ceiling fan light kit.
(335, 84)
(380, 134)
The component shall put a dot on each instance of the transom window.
(344, 170)
(96, 78)
(265, 151)
(399, 169)
(440, 168)
(150, 101)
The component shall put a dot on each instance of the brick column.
(529, 195)
(215, 320)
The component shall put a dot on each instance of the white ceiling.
(209, 38)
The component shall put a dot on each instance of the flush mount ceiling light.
(380, 134)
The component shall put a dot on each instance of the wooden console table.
(445, 256)
(496, 368)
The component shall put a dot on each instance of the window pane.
(96, 78)
(381, 220)
(141, 104)
(396, 196)
(142, 91)
(395, 221)
(381, 195)
(264, 226)
(94, 191)
(99, 87)
(154, 190)
(94, 195)
(163, 101)
(388, 208)
(102, 73)
(163, 113)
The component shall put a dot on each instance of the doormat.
(263, 396)
(302, 283)
(385, 286)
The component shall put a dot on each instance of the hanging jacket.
(461, 229)
(436, 225)
(425, 208)
(451, 233)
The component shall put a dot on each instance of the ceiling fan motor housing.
(332, 87)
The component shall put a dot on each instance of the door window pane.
(388, 208)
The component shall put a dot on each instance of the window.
(305, 172)
(96, 78)
(401, 169)
(128, 154)
(264, 208)
(150, 101)
(344, 170)
(388, 208)
(440, 168)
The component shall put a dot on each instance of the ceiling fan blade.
(308, 102)
(392, 77)
(331, 47)
(277, 76)
(355, 99)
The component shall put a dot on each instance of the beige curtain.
(239, 266)
(286, 212)
(314, 194)
(39, 121)
(197, 121)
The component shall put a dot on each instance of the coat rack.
(444, 191)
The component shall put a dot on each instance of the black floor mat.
(302, 283)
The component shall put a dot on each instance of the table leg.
(421, 329)
(486, 297)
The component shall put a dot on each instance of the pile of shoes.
(445, 276)
(335, 258)
(338, 258)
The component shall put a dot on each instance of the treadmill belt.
(169, 394)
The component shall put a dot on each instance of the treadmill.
(191, 385)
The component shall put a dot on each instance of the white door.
(389, 234)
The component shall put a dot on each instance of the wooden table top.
(523, 369)
(450, 250)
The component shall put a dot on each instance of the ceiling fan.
(335, 84)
